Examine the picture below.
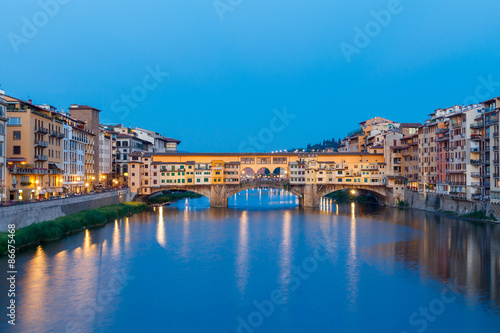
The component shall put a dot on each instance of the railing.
(476, 196)
(495, 134)
(57, 134)
(41, 143)
(41, 157)
(476, 137)
(27, 171)
(490, 109)
(476, 162)
(41, 130)
(441, 130)
(475, 174)
(475, 184)
(495, 161)
(477, 125)
(457, 183)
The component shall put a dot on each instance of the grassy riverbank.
(169, 196)
(64, 225)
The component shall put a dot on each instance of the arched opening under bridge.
(170, 195)
(353, 194)
(269, 196)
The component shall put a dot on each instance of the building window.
(14, 121)
(16, 135)
(17, 150)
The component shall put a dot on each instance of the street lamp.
(353, 192)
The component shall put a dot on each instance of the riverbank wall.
(442, 203)
(23, 215)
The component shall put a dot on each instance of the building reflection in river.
(433, 247)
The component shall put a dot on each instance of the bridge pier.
(218, 196)
(311, 197)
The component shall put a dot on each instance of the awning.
(16, 159)
(49, 189)
(53, 165)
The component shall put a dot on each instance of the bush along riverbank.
(475, 215)
(64, 225)
(168, 196)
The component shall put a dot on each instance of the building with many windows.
(3, 147)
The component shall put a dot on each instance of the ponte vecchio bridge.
(218, 176)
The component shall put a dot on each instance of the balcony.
(490, 109)
(41, 143)
(495, 147)
(492, 122)
(476, 196)
(41, 157)
(477, 125)
(487, 175)
(476, 162)
(441, 130)
(475, 174)
(476, 137)
(495, 134)
(457, 183)
(475, 184)
(495, 175)
(27, 171)
(41, 130)
(57, 134)
(495, 161)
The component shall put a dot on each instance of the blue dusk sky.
(235, 75)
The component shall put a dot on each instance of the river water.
(264, 265)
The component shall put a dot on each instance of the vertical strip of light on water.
(285, 263)
(186, 241)
(242, 257)
(352, 262)
(115, 247)
(127, 235)
(161, 237)
(35, 308)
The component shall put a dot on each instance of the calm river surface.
(264, 265)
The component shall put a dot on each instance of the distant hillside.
(331, 145)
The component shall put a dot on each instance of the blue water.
(264, 265)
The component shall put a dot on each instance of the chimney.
(30, 101)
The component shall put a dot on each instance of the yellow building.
(218, 172)
(34, 151)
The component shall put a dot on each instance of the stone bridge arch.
(201, 190)
(296, 190)
(382, 193)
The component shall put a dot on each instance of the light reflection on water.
(198, 269)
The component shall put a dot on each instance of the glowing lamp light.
(125, 174)
(353, 192)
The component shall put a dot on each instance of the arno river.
(264, 265)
